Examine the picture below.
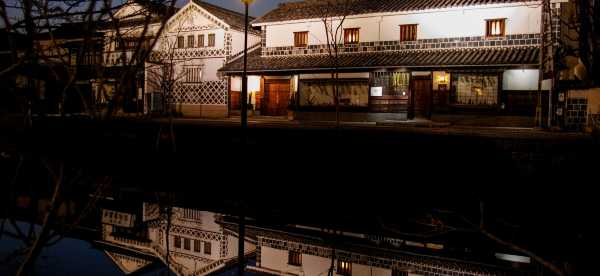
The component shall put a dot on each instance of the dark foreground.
(284, 173)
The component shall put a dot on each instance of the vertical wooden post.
(241, 238)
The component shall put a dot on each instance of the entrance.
(422, 92)
(276, 97)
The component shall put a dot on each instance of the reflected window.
(408, 32)
(190, 41)
(197, 246)
(177, 242)
(398, 272)
(344, 268)
(207, 248)
(187, 244)
(294, 258)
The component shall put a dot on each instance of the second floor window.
(177, 242)
(190, 41)
(180, 42)
(207, 248)
(197, 246)
(351, 36)
(408, 32)
(186, 244)
(495, 27)
(344, 268)
(211, 40)
(200, 40)
(300, 39)
(294, 258)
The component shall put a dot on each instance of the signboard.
(376, 91)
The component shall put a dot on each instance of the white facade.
(198, 245)
(195, 44)
(521, 18)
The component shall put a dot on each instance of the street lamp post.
(244, 107)
(244, 118)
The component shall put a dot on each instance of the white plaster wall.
(275, 259)
(313, 265)
(455, 22)
(341, 76)
(358, 269)
(237, 41)
(525, 79)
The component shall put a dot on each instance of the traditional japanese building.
(397, 59)
(128, 36)
(183, 69)
(307, 250)
(191, 242)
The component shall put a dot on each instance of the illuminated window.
(351, 36)
(294, 258)
(408, 32)
(180, 42)
(197, 246)
(300, 39)
(200, 40)
(187, 244)
(207, 248)
(495, 27)
(344, 268)
(177, 242)
(211, 40)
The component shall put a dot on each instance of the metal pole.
(244, 97)
(241, 238)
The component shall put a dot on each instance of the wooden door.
(277, 95)
(423, 96)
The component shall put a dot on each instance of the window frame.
(294, 258)
(347, 36)
(180, 42)
(201, 41)
(191, 41)
(187, 244)
(177, 241)
(197, 246)
(415, 34)
(207, 248)
(212, 42)
(297, 36)
(489, 26)
(341, 270)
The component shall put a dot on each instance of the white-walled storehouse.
(197, 244)
(399, 58)
(128, 35)
(183, 68)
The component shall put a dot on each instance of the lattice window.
(351, 36)
(192, 74)
(207, 248)
(300, 39)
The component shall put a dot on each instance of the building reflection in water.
(202, 243)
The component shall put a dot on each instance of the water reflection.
(187, 241)
(194, 242)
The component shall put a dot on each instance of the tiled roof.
(234, 19)
(465, 57)
(317, 8)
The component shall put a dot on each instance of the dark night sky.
(258, 8)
